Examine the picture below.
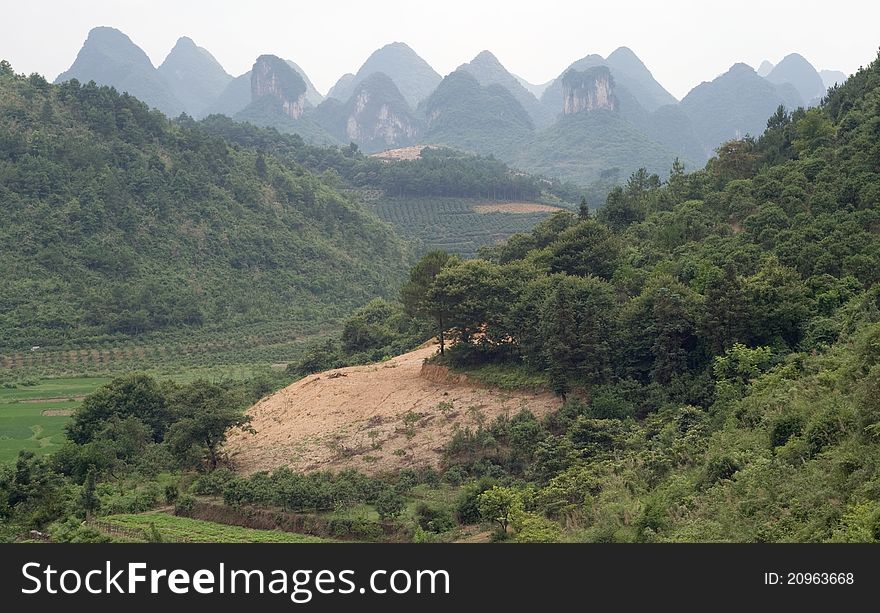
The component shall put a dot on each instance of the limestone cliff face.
(381, 124)
(272, 76)
(588, 90)
(378, 116)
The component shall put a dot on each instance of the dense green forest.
(438, 172)
(715, 337)
(117, 221)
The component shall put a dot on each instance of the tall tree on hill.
(583, 209)
(414, 293)
(576, 322)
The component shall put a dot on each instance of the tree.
(414, 293)
(728, 313)
(136, 395)
(206, 412)
(576, 323)
(89, 499)
(583, 209)
(500, 505)
(474, 296)
(735, 159)
(389, 504)
(588, 248)
(812, 131)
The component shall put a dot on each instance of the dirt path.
(373, 418)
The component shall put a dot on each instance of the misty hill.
(765, 68)
(342, 87)
(376, 116)
(313, 96)
(195, 78)
(630, 72)
(737, 103)
(795, 69)
(130, 222)
(591, 146)
(412, 75)
(109, 57)
(462, 113)
(535, 89)
(234, 97)
(487, 70)
(831, 78)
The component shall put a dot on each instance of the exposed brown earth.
(404, 153)
(515, 207)
(372, 418)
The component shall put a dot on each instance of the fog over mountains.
(599, 120)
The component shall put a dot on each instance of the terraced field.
(242, 349)
(457, 225)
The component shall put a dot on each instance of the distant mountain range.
(600, 119)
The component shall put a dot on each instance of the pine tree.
(583, 209)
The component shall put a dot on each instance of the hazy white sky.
(683, 42)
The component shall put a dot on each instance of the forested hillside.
(117, 221)
(715, 336)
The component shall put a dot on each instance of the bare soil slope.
(515, 208)
(373, 418)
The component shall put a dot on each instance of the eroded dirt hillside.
(373, 418)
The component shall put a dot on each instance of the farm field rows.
(228, 351)
(172, 529)
(457, 225)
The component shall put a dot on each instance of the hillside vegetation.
(117, 221)
(716, 339)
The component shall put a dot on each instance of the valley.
(433, 307)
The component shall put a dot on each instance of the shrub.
(467, 510)
(719, 468)
(784, 428)
(212, 483)
(534, 528)
(389, 504)
(824, 430)
(171, 493)
(433, 519)
(184, 506)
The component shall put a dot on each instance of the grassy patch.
(506, 376)
(29, 417)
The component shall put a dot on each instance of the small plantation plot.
(458, 225)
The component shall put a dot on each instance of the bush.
(433, 519)
(184, 506)
(467, 510)
(719, 468)
(534, 528)
(212, 483)
(824, 430)
(784, 428)
(171, 493)
(389, 504)
(455, 475)
(71, 530)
